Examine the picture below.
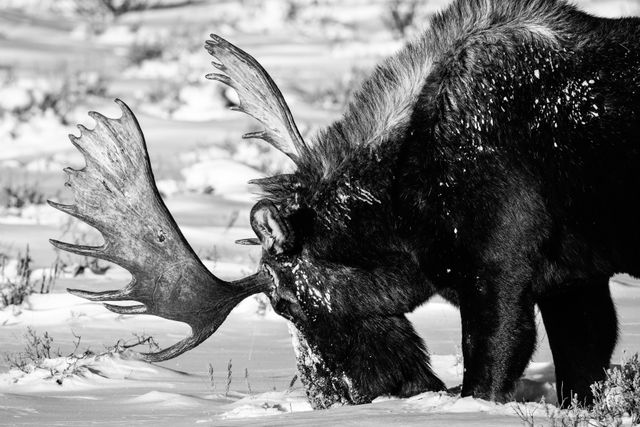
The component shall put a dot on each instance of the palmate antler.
(259, 96)
(261, 99)
(116, 194)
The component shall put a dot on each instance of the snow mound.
(33, 215)
(168, 187)
(85, 372)
(441, 402)
(14, 98)
(44, 134)
(47, 310)
(270, 403)
(201, 103)
(167, 400)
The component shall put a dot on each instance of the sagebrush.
(40, 353)
(616, 402)
(15, 288)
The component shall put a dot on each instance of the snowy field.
(59, 60)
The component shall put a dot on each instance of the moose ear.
(274, 231)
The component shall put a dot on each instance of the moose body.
(509, 179)
(492, 161)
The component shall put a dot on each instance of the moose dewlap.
(485, 162)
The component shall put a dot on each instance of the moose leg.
(498, 339)
(582, 328)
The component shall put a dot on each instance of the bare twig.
(228, 385)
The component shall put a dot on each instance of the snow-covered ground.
(119, 390)
(56, 63)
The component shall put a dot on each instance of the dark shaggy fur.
(494, 162)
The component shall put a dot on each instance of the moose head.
(330, 263)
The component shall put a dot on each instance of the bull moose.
(492, 161)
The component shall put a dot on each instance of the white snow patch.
(117, 35)
(84, 373)
(33, 215)
(169, 187)
(14, 98)
(33, 137)
(167, 400)
(225, 177)
(270, 403)
(205, 153)
(201, 103)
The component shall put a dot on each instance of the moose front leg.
(498, 338)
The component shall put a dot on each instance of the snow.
(14, 98)
(223, 177)
(92, 372)
(201, 103)
(269, 403)
(260, 344)
(37, 137)
(33, 214)
(202, 167)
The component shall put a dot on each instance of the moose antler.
(259, 96)
(116, 194)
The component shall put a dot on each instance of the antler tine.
(259, 96)
(75, 141)
(99, 118)
(68, 209)
(116, 194)
(127, 309)
(222, 78)
(91, 251)
(174, 350)
(114, 295)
